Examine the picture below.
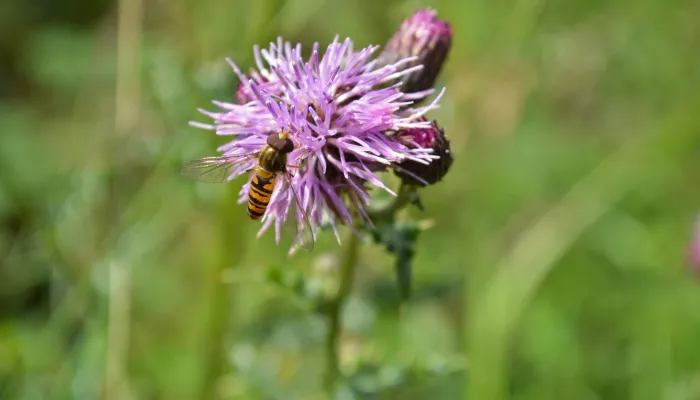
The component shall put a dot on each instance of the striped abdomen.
(260, 192)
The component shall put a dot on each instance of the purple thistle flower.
(337, 107)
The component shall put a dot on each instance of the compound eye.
(281, 144)
(288, 146)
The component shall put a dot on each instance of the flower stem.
(407, 194)
(335, 309)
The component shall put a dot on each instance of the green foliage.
(554, 266)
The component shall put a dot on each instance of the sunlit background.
(555, 267)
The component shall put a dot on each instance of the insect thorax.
(272, 160)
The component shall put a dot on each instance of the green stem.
(335, 309)
(407, 194)
(221, 315)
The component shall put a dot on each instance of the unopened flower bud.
(416, 173)
(425, 36)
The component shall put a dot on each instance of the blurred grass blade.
(497, 309)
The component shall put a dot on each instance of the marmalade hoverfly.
(271, 162)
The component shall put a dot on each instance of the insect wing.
(301, 229)
(218, 169)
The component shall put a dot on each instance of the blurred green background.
(555, 268)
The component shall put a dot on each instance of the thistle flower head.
(337, 106)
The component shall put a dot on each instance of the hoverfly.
(270, 162)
